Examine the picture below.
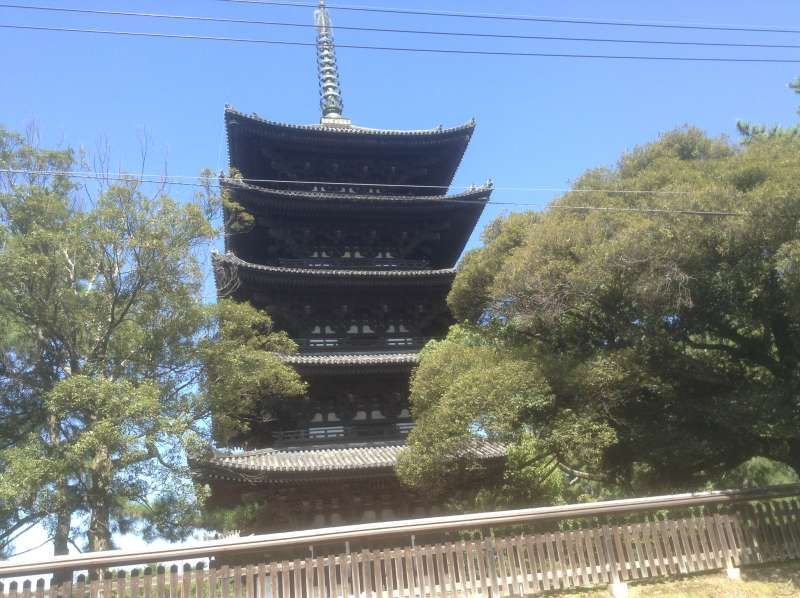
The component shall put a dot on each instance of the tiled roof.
(230, 258)
(356, 458)
(355, 130)
(477, 196)
(353, 359)
(338, 458)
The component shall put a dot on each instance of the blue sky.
(541, 121)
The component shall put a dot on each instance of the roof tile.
(232, 259)
(352, 359)
(355, 457)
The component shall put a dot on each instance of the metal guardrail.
(116, 558)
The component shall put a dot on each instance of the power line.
(650, 210)
(467, 34)
(160, 179)
(714, 59)
(528, 18)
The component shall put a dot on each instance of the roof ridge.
(353, 129)
(232, 258)
(477, 191)
(352, 359)
(374, 456)
(312, 448)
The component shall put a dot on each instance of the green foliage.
(750, 131)
(465, 388)
(638, 351)
(110, 364)
(243, 362)
(758, 472)
(468, 297)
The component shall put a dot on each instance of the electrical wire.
(160, 177)
(523, 18)
(714, 59)
(167, 180)
(198, 18)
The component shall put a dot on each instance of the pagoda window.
(322, 335)
(323, 342)
(326, 329)
(395, 341)
(360, 328)
(326, 432)
(405, 427)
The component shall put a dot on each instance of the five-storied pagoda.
(352, 252)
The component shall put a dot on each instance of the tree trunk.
(99, 528)
(61, 534)
(61, 544)
(101, 499)
(64, 516)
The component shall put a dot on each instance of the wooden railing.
(344, 432)
(364, 342)
(570, 546)
(356, 263)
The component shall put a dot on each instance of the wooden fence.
(571, 554)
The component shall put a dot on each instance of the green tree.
(110, 363)
(749, 130)
(631, 350)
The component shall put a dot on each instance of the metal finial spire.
(331, 93)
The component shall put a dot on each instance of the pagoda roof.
(351, 130)
(348, 359)
(293, 156)
(453, 216)
(340, 461)
(334, 363)
(325, 277)
(302, 200)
